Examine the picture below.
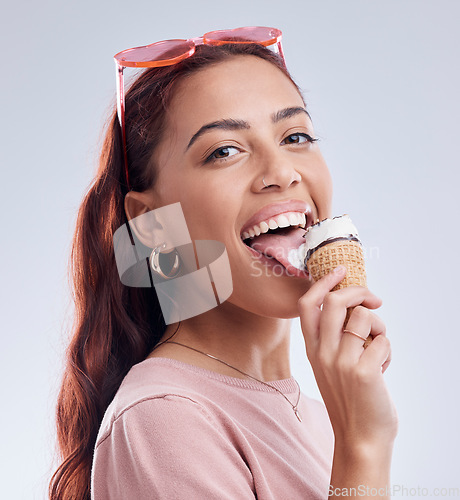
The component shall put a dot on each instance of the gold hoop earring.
(154, 261)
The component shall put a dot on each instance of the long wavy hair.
(115, 326)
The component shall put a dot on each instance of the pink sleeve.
(168, 447)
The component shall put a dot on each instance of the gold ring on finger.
(355, 334)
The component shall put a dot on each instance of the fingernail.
(340, 269)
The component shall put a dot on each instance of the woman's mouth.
(271, 240)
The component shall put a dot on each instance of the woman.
(208, 407)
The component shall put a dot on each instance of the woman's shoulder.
(153, 377)
(161, 384)
(149, 379)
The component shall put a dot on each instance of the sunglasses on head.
(169, 52)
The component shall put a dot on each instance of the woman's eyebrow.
(285, 113)
(225, 124)
(232, 124)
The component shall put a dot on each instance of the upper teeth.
(282, 220)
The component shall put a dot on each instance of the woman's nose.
(276, 173)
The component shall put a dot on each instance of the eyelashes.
(308, 138)
(221, 153)
(225, 152)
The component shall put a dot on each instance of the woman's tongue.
(277, 245)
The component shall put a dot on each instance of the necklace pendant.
(297, 413)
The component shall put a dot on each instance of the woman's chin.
(273, 297)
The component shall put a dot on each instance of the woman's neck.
(256, 345)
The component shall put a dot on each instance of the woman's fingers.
(362, 322)
(322, 287)
(335, 309)
(311, 302)
(377, 354)
(322, 312)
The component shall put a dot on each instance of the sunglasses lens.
(258, 34)
(157, 54)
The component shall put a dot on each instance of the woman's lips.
(272, 210)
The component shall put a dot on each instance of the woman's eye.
(298, 138)
(222, 153)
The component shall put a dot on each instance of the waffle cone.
(347, 253)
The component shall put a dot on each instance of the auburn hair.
(115, 326)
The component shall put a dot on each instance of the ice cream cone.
(334, 242)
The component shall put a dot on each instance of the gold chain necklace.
(294, 407)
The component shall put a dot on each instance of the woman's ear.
(137, 204)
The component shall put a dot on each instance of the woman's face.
(227, 129)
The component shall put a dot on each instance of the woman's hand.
(349, 377)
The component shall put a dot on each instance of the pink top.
(176, 431)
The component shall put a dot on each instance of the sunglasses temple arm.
(121, 115)
(280, 51)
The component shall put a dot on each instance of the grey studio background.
(381, 80)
